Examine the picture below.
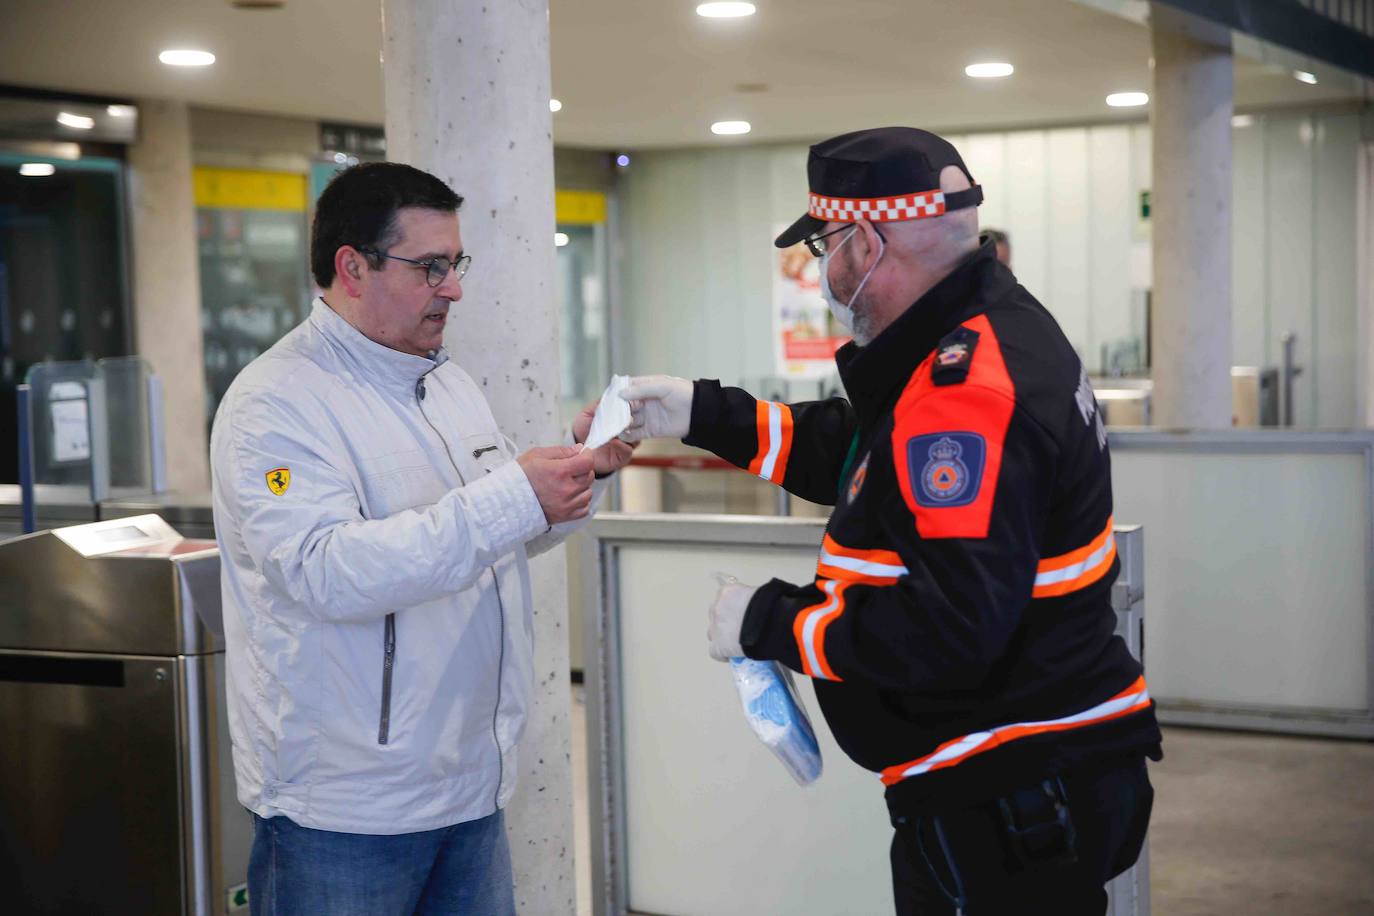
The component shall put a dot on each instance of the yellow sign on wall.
(579, 208)
(246, 189)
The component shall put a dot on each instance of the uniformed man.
(959, 631)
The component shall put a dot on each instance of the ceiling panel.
(641, 73)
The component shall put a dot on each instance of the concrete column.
(1190, 119)
(467, 98)
(166, 275)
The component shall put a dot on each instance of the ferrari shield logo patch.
(278, 479)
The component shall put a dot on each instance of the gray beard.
(864, 331)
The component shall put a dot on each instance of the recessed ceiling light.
(623, 160)
(730, 128)
(555, 105)
(560, 239)
(75, 121)
(1128, 99)
(1303, 76)
(1242, 120)
(120, 111)
(185, 57)
(989, 70)
(725, 10)
(37, 169)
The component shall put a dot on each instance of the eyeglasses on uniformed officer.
(817, 245)
(436, 269)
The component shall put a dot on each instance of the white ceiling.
(642, 73)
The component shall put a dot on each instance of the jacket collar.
(874, 375)
(378, 363)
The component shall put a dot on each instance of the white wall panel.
(1252, 601)
(698, 225)
(1335, 364)
(1026, 217)
(1112, 212)
(1066, 292)
(986, 158)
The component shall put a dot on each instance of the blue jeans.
(464, 869)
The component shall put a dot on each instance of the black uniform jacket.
(959, 631)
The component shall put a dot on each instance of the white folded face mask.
(612, 414)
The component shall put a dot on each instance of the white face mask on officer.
(844, 313)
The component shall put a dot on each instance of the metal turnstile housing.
(116, 784)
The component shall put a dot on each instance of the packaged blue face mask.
(775, 713)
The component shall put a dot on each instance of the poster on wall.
(805, 336)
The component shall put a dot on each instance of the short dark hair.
(999, 236)
(359, 207)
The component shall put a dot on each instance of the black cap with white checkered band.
(886, 174)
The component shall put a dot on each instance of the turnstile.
(116, 786)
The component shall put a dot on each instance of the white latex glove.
(725, 620)
(660, 406)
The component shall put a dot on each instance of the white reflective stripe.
(813, 618)
(1097, 712)
(1093, 560)
(866, 567)
(964, 745)
(970, 743)
(774, 441)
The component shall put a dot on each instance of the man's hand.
(661, 405)
(612, 456)
(562, 479)
(726, 619)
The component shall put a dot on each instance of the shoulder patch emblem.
(954, 357)
(946, 468)
(278, 479)
(857, 479)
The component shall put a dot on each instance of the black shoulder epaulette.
(954, 357)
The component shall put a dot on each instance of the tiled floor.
(1243, 824)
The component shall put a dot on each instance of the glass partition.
(254, 274)
(583, 337)
(95, 429)
(63, 277)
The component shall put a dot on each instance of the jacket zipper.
(500, 602)
(388, 664)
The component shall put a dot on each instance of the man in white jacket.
(374, 527)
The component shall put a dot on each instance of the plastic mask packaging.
(775, 713)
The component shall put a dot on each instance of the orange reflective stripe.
(1076, 569)
(774, 422)
(809, 628)
(1131, 700)
(761, 424)
(871, 567)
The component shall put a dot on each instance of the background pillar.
(1190, 117)
(166, 284)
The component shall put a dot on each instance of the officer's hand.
(661, 405)
(562, 479)
(726, 619)
(612, 456)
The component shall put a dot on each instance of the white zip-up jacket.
(374, 530)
